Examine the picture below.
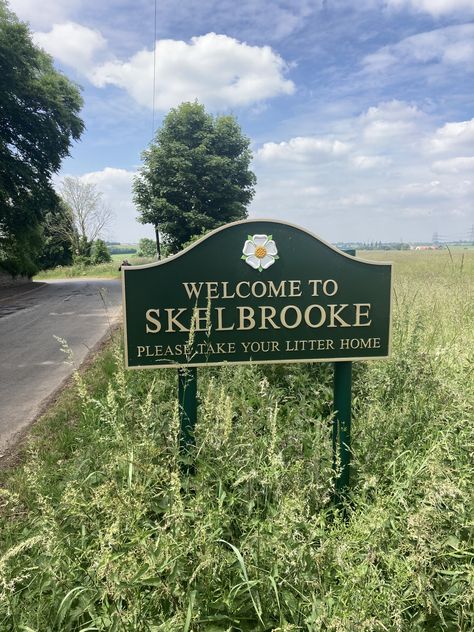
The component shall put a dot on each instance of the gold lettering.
(200, 315)
(276, 291)
(334, 315)
(237, 289)
(295, 288)
(224, 288)
(268, 317)
(334, 285)
(298, 320)
(261, 285)
(246, 317)
(212, 289)
(150, 318)
(220, 325)
(172, 319)
(307, 316)
(315, 283)
(193, 289)
(362, 314)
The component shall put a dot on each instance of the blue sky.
(360, 113)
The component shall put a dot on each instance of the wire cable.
(154, 78)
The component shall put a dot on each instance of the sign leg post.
(187, 399)
(341, 430)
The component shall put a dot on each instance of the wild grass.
(101, 270)
(102, 531)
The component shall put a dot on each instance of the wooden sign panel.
(256, 291)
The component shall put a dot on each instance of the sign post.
(187, 401)
(259, 291)
(341, 429)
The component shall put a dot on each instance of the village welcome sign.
(256, 291)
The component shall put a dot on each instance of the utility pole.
(158, 246)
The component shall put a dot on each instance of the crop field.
(101, 530)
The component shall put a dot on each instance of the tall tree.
(39, 119)
(195, 175)
(57, 247)
(90, 215)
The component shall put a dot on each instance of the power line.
(154, 77)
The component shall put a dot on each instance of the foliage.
(195, 175)
(100, 253)
(90, 216)
(39, 119)
(101, 530)
(146, 248)
(85, 269)
(56, 250)
(19, 251)
(121, 249)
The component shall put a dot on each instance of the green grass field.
(103, 270)
(101, 531)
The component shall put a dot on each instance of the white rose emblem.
(260, 251)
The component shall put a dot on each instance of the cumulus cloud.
(453, 137)
(435, 8)
(390, 121)
(302, 149)
(216, 69)
(72, 44)
(450, 45)
(385, 175)
(462, 164)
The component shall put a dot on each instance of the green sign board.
(256, 291)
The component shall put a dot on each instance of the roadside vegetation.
(100, 530)
(109, 270)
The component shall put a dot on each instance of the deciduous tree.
(146, 248)
(195, 175)
(100, 253)
(57, 247)
(39, 119)
(90, 215)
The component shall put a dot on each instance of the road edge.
(12, 454)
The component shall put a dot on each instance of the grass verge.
(101, 531)
(102, 270)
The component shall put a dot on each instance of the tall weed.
(102, 531)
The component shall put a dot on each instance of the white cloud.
(389, 121)
(370, 162)
(339, 196)
(453, 137)
(462, 164)
(434, 7)
(43, 13)
(302, 149)
(450, 45)
(72, 44)
(216, 69)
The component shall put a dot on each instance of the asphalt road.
(32, 365)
